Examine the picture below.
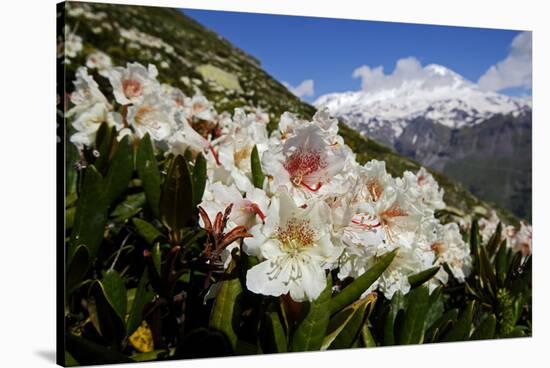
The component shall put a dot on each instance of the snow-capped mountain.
(435, 93)
(435, 116)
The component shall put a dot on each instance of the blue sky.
(327, 51)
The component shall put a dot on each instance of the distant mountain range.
(480, 138)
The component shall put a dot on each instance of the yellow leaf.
(142, 339)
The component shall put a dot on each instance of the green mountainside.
(193, 58)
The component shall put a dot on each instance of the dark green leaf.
(152, 355)
(486, 329)
(199, 179)
(353, 291)
(142, 297)
(441, 325)
(423, 276)
(257, 174)
(130, 207)
(488, 273)
(105, 317)
(310, 332)
(115, 291)
(149, 173)
(461, 330)
(501, 263)
(397, 304)
(176, 202)
(146, 230)
(120, 170)
(418, 303)
(494, 241)
(273, 336)
(78, 267)
(366, 335)
(226, 309)
(90, 216)
(352, 329)
(437, 307)
(156, 254)
(104, 143)
(90, 353)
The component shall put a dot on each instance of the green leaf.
(115, 291)
(90, 216)
(421, 277)
(366, 335)
(516, 332)
(488, 273)
(176, 202)
(142, 297)
(350, 331)
(120, 170)
(104, 316)
(90, 353)
(353, 291)
(70, 361)
(147, 231)
(441, 326)
(199, 179)
(149, 173)
(501, 263)
(310, 332)
(494, 241)
(78, 267)
(397, 304)
(486, 329)
(437, 307)
(461, 330)
(273, 336)
(130, 207)
(256, 165)
(159, 354)
(418, 303)
(156, 254)
(474, 239)
(104, 143)
(226, 309)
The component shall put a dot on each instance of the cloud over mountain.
(407, 70)
(304, 89)
(515, 70)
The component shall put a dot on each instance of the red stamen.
(258, 211)
(214, 154)
(366, 226)
(319, 185)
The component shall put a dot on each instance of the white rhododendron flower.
(451, 249)
(132, 83)
(88, 122)
(152, 115)
(307, 165)
(73, 44)
(198, 107)
(100, 61)
(90, 110)
(248, 210)
(318, 208)
(296, 247)
(431, 194)
(86, 93)
(185, 137)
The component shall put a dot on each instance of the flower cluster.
(318, 208)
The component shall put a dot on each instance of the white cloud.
(304, 89)
(515, 70)
(407, 70)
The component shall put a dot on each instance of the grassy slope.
(194, 46)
